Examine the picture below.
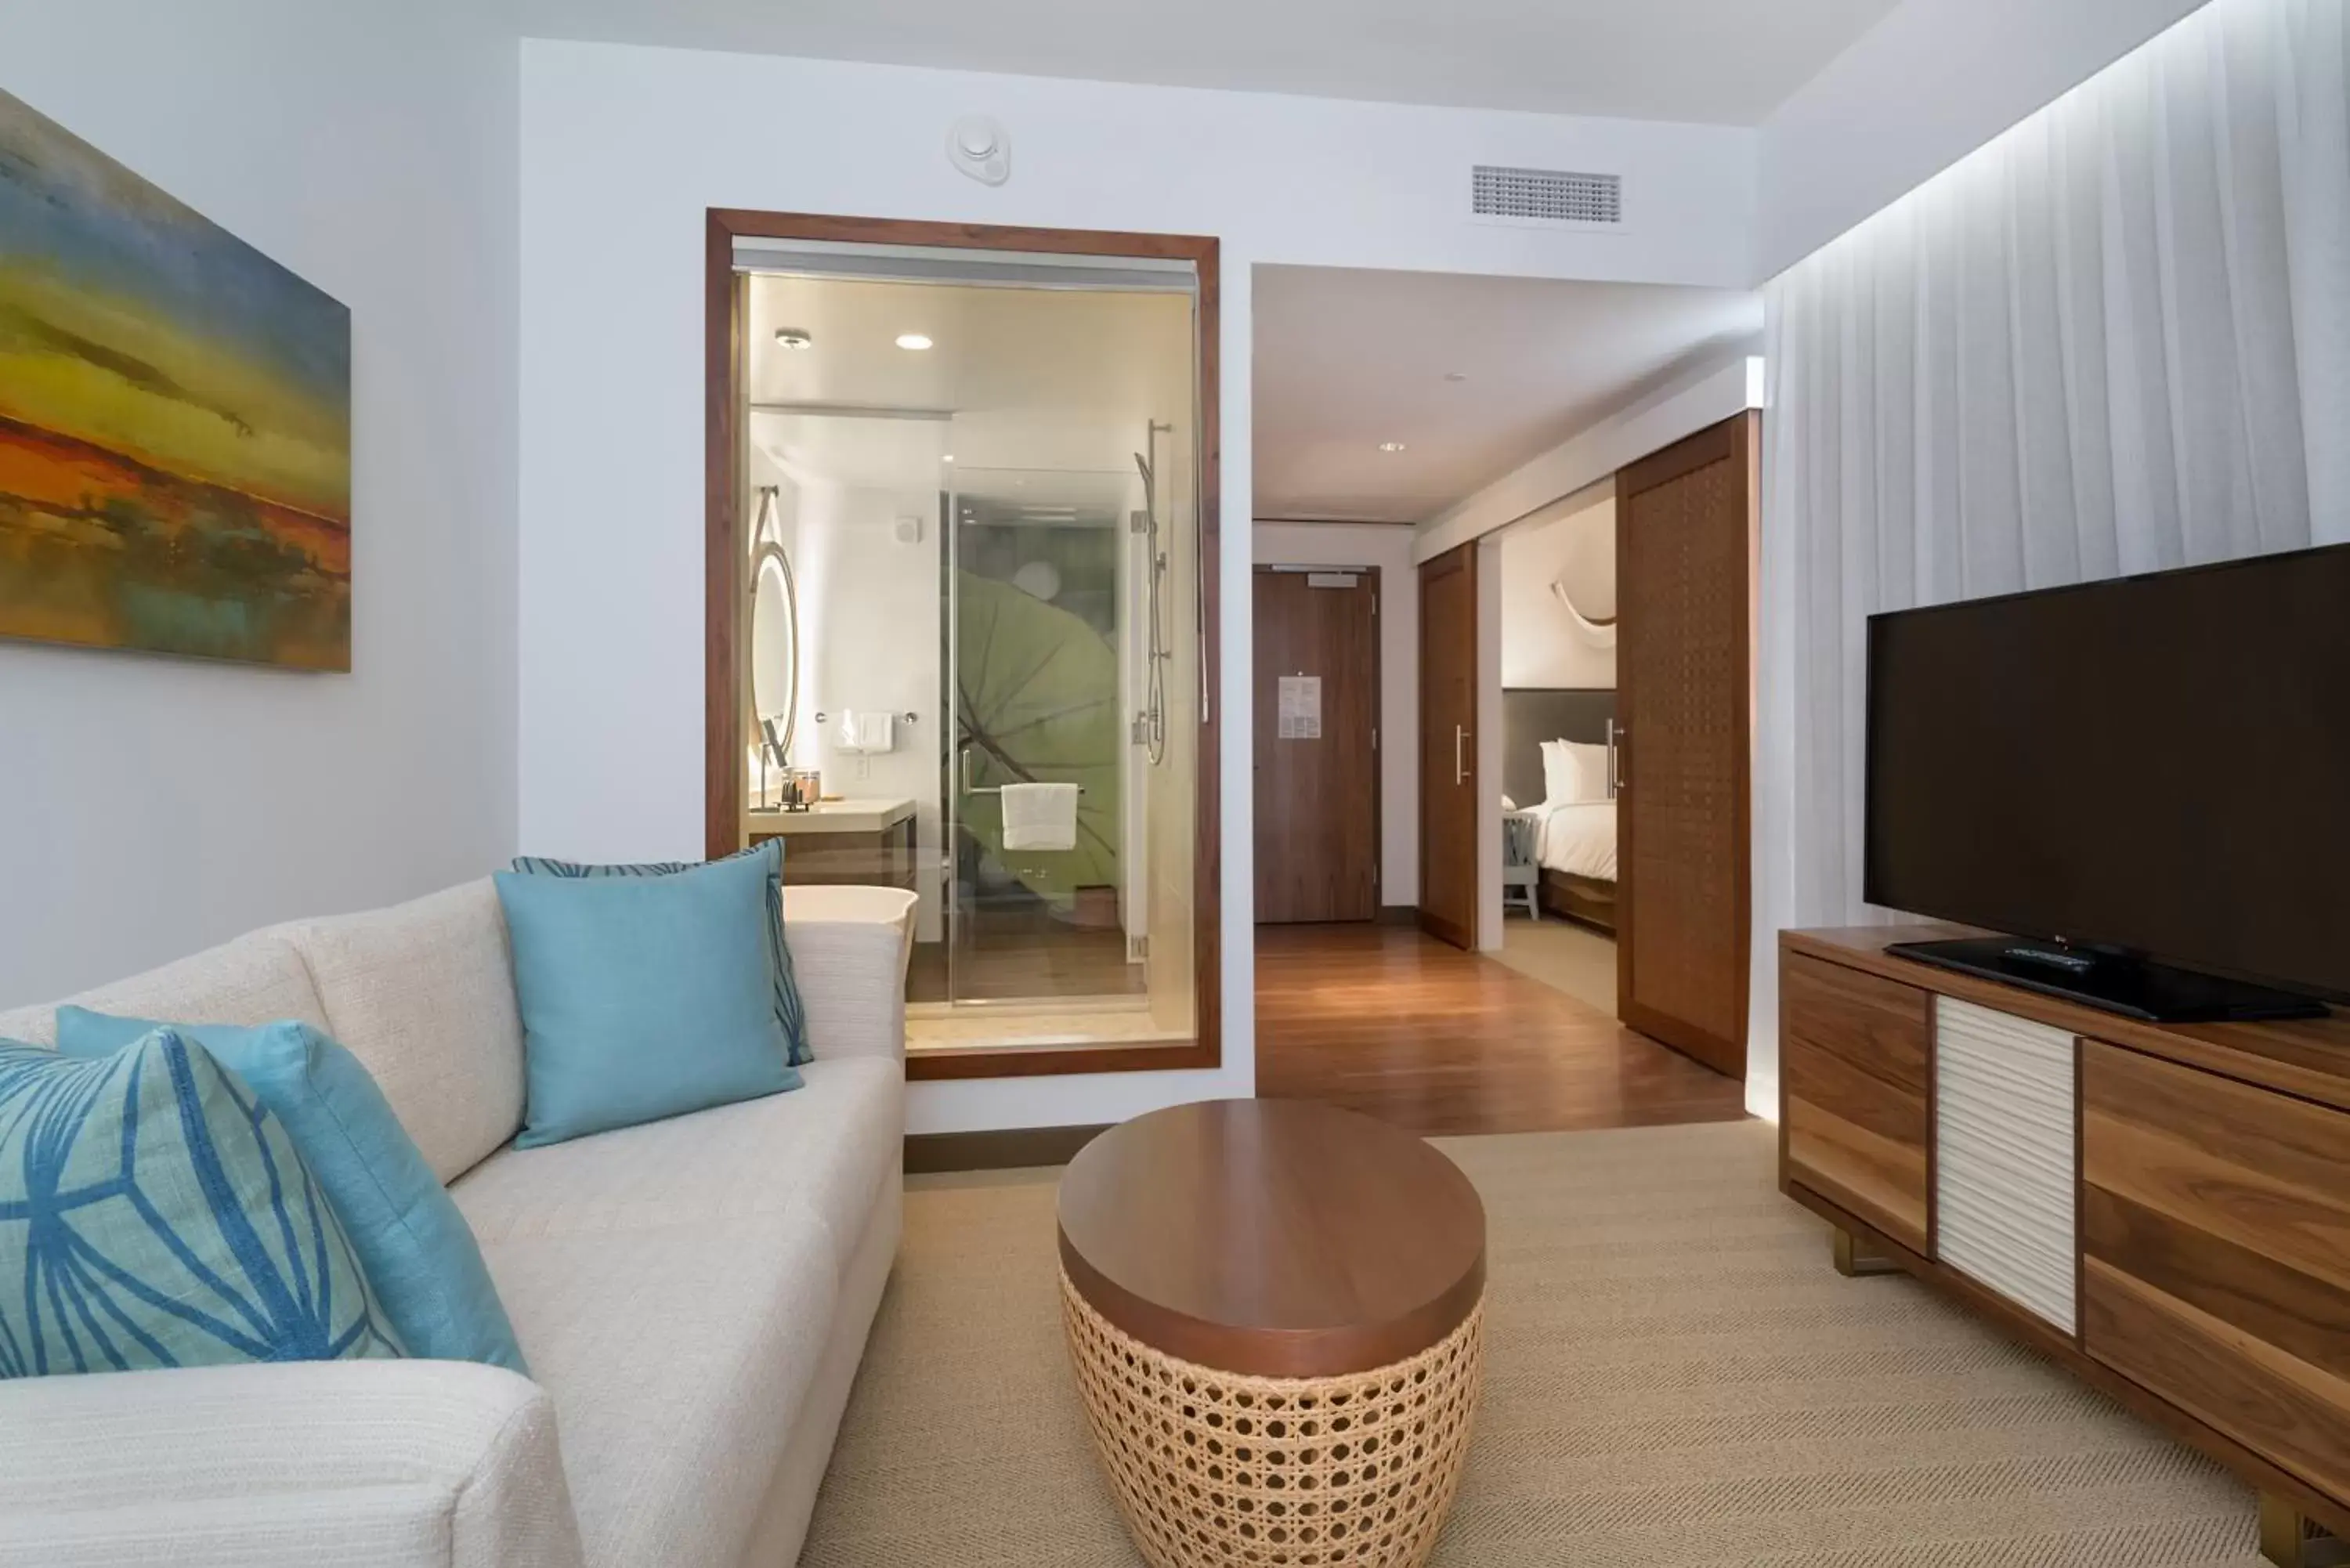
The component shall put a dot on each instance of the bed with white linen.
(1556, 754)
(1577, 838)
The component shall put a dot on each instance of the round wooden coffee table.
(1276, 1312)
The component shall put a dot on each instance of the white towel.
(869, 732)
(1040, 817)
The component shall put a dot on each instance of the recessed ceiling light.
(795, 337)
(1390, 446)
(949, 458)
(913, 340)
(1455, 376)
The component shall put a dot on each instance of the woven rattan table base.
(1215, 1469)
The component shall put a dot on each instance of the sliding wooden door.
(1448, 746)
(1317, 766)
(1685, 522)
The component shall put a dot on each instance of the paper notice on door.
(1301, 708)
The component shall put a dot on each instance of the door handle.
(1617, 736)
(965, 758)
(1459, 737)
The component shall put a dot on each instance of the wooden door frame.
(725, 573)
(1739, 440)
(1378, 736)
(1467, 553)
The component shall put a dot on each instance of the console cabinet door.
(2215, 1229)
(2004, 1163)
(1853, 1069)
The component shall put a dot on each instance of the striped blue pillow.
(789, 1012)
(154, 1213)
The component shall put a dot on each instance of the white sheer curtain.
(2116, 339)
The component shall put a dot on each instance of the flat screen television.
(2146, 780)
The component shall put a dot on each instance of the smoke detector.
(981, 147)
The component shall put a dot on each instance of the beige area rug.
(1674, 1376)
(1564, 956)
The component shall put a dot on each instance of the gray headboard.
(1533, 714)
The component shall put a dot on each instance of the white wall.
(1388, 547)
(1540, 644)
(1487, 741)
(1592, 457)
(1930, 83)
(151, 806)
(622, 149)
(869, 620)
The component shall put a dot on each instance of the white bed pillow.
(1574, 772)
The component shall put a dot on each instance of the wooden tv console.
(2165, 1210)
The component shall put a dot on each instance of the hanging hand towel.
(1040, 817)
(869, 732)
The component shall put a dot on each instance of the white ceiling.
(1728, 62)
(1346, 359)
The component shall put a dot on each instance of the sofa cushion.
(154, 1214)
(413, 1245)
(678, 1357)
(824, 1152)
(791, 1016)
(422, 994)
(644, 997)
(257, 979)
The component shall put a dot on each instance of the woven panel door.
(1685, 543)
(1448, 746)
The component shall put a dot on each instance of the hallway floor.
(1564, 957)
(1389, 1022)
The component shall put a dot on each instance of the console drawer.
(1854, 1064)
(2215, 1232)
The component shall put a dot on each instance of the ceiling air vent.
(1546, 196)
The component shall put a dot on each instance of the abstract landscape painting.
(175, 422)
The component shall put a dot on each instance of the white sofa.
(692, 1295)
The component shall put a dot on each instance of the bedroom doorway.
(1318, 773)
(1559, 762)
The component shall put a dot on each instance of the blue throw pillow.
(788, 1011)
(154, 1213)
(643, 997)
(419, 1254)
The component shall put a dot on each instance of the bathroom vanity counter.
(846, 816)
(860, 841)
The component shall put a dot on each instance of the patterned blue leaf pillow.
(788, 1011)
(153, 1214)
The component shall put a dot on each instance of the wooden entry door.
(1448, 746)
(1685, 521)
(1317, 766)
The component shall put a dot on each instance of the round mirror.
(775, 642)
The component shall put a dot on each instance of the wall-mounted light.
(915, 341)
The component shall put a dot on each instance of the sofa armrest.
(434, 1464)
(849, 947)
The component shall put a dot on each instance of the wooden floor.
(1386, 1021)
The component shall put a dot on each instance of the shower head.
(1143, 463)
